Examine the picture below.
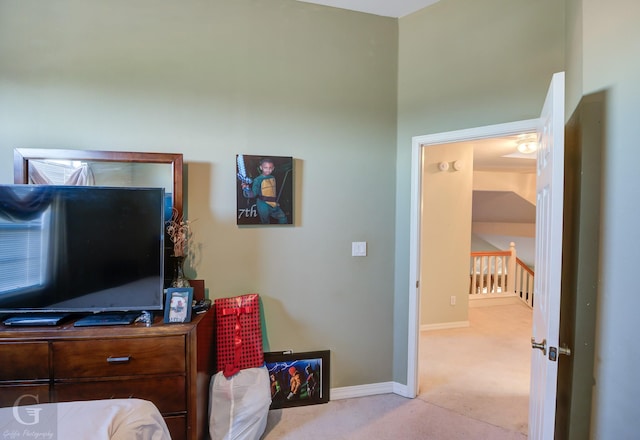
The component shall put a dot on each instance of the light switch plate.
(359, 249)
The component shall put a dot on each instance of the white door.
(548, 264)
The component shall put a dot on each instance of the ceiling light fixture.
(527, 144)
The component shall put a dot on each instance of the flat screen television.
(81, 249)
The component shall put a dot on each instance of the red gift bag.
(239, 333)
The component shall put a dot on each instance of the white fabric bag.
(239, 405)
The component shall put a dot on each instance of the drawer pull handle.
(118, 359)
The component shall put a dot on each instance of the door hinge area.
(417, 284)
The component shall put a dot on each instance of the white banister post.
(511, 270)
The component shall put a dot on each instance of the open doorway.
(420, 144)
(476, 363)
(549, 228)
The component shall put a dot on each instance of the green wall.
(343, 93)
(211, 79)
(609, 39)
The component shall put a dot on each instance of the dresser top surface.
(67, 330)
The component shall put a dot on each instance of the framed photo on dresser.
(178, 305)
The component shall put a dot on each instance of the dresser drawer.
(177, 427)
(24, 361)
(23, 394)
(167, 393)
(118, 357)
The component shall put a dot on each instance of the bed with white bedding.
(111, 419)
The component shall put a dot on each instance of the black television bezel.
(79, 311)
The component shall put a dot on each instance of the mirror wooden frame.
(22, 156)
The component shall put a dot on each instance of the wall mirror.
(103, 168)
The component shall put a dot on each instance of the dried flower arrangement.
(179, 231)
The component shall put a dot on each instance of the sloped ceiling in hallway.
(505, 207)
(502, 207)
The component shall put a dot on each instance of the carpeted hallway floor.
(481, 371)
(474, 385)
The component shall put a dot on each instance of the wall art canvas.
(298, 378)
(264, 190)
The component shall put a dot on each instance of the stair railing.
(489, 275)
(524, 282)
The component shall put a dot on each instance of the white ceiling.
(501, 154)
(386, 8)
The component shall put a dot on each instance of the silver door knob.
(564, 350)
(539, 345)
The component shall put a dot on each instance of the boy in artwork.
(263, 189)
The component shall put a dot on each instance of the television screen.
(81, 249)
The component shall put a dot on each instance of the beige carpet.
(481, 371)
(381, 417)
(472, 387)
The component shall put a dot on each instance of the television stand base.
(107, 318)
(36, 319)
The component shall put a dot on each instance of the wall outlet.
(453, 300)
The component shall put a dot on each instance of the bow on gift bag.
(239, 333)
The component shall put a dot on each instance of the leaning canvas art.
(298, 378)
(264, 190)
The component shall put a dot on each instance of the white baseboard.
(402, 390)
(366, 390)
(444, 325)
(488, 300)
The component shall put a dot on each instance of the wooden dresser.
(168, 364)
